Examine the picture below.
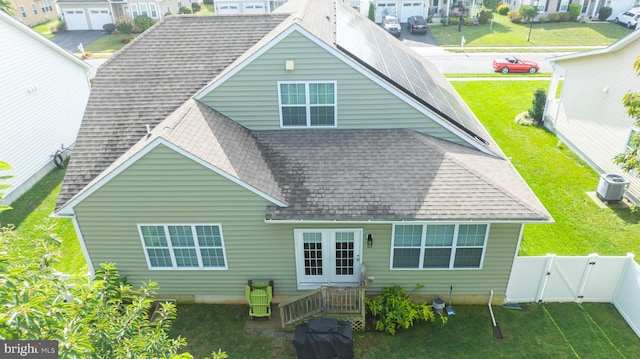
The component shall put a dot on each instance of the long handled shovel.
(450, 310)
(497, 333)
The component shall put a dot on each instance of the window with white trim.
(307, 104)
(183, 246)
(143, 9)
(34, 9)
(564, 6)
(153, 9)
(134, 10)
(438, 246)
(23, 12)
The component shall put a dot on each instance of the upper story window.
(35, 10)
(23, 12)
(134, 10)
(183, 246)
(438, 246)
(307, 104)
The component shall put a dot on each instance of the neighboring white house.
(246, 6)
(44, 91)
(589, 115)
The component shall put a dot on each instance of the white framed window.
(23, 12)
(153, 9)
(144, 10)
(183, 246)
(438, 246)
(564, 6)
(307, 104)
(630, 146)
(134, 10)
(35, 10)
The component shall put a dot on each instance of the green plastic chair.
(259, 300)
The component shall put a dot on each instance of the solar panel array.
(369, 44)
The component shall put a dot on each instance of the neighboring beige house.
(33, 12)
(589, 9)
(93, 14)
(588, 115)
(44, 90)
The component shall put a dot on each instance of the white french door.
(328, 257)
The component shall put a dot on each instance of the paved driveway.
(69, 40)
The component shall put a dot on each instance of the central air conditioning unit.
(611, 187)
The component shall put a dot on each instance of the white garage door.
(99, 17)
(228, 9)
(385, 8)
(253, 9)
(76, 20)
(411, 9)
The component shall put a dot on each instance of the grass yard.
(590, 330)
(557, 176)
(109, 43)
(46, 29)
(30, 216)
(504, 33)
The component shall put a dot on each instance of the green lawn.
(109, 43)
(46, 29)
(505, 33)
(590, 330)
(30, 216)
(557, 176)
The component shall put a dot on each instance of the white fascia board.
(68, 209)
(349, 62)
(412, 221)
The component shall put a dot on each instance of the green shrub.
(528, 12)
(559, 17)
(516, 17)
(554, 17)
(109, 28)
(195, 7)
(484, 17)
(143, 22)
(372, 12)
(537, 110)
(503, 9)
(184, 10)
(395, 310)
(604, 13)
(62, 26)
(574, 11)
(124, 25)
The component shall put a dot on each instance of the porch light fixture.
(369, 240)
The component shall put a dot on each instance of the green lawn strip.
(45, 28)
(586, 335)
(504, 33)
(109, 43)
(211, 327)
(557, 176)
(30, 215)
(608, 321)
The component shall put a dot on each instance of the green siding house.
(312, 150)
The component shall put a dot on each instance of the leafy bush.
(208, 2)
(124, 25)
(372, 12)
(525, 119)
(604, 13)
(143, 22)
(528, 12)
(503, 9)
(484, 17)
(574, 11)
(395, 310)
(537, 110)
(195, 7)
(516, 17)
(184, 10)
(62, 26)
(109, 28)
(559, 17)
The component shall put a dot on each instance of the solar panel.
(368, 43)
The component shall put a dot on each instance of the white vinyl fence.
(578, 279)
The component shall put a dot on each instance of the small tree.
(143, 22)
(528, 12)
(537, 110)
(574, 11)
(604, 13)
(7, 6)
(372, 12)
(629, 160)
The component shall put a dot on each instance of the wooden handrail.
(326, 300)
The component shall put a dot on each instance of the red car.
(512, 64)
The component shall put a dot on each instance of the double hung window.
(183, 246)
(307, 104)
(438, 246)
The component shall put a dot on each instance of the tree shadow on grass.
(29, 202)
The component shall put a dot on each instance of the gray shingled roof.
(149, 79)
(351, 174)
